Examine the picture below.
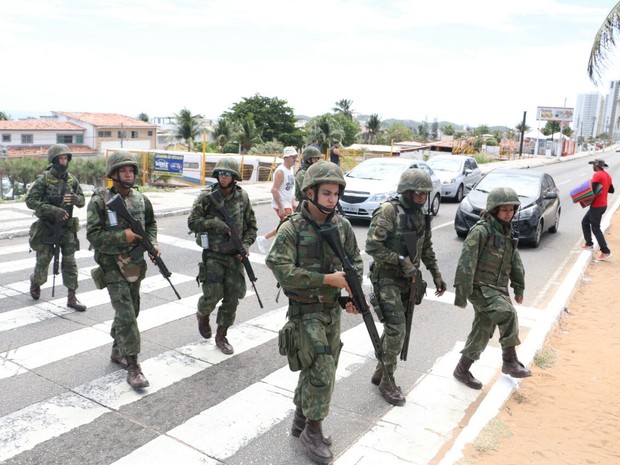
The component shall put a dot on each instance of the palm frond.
(604, 42)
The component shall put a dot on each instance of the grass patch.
(491, 436)
(545, 358)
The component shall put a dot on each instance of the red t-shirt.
(603, 178)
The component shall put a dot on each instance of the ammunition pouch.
(98, 277)
(38, 232)
(295, 345)
(73, 224)
(420, 289)
(202, 273)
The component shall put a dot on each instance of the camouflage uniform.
(44, 197)
(299, 260)
(391, 285)
(120, 273)
(489, 261)
(308, 153)
(222, 275)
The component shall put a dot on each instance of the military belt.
(312, 299)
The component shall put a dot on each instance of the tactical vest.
(314, 255)
(406, 221)
(236, 205)
(495, 260)
(135, 206)
(54, 189)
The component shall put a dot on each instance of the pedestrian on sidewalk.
(282, 192)
(220, 271)
(591, 222)
(121, 273)
(395, 271)
(52, 197)
(489, 262)
(305, 268)
(335, 156)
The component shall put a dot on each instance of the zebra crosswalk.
(65, 403)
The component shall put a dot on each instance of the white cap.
(289, 152)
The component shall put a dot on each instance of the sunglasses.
(224, 173)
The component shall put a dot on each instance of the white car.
(375, 180)
(458, 174)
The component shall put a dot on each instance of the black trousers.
(591, 224)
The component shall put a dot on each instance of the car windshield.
(381, 171)
(525, 186)
(445, 164)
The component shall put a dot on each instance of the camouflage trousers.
(68, 266)
(392, 296)
(493, 309)
(125, 299)
(316, 382)
(223, 278)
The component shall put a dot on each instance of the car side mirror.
(551, 195)
(468, 172)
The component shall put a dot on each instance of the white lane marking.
(26, 263)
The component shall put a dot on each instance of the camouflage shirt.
(384, 242)
(44, 195)
(489, 258)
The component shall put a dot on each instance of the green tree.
(325, 129)
(350, 128)
(188, 127)
(423, 130)
(4, 116)
(143, 117)
(344, 107)
(448, 130)
(519, 125)
(273, 118)
(397, 132)
(267, 148)
(604, 42)
(435, 129)
(247, 134)
(482, 129)
(551, 128)
(373, 128)
(222, 133)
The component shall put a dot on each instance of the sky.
(469, 62)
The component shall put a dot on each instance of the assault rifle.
(117, 205)
(411, 242)
(218, 201)
(332, 237)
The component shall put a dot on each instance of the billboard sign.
(167, 164)
(554, 114)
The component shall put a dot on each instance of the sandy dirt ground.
(568, 412)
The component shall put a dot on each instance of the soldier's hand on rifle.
(218, 226)
(247, 254)
(69, 199)
(157, 254)
(59, 214)
(132, 236)
(337, 279)
(408, 268)
(440, 286)
(519, 299)
(350, 308)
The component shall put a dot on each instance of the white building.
(586, 121)
(610, 123)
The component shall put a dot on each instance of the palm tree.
(222, 133)
(373, 126)
(188, 126)
(344, 106)
(327, 130)
(248, 134)
(143, 117)
(4, 116)
(604, 41)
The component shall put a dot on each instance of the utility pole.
(522, 135)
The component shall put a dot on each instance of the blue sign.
(168, 164)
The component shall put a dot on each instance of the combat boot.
(35, 289)
(135, 378)
(221, 342)
(299, 423)
(376, 376)
(312, 439)
(391, 392)
(204, 327)
(512, 366)
(73, 303)
(462, 373)
(117, 358)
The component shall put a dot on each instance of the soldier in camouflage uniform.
(221, 272)
(489, 260)
(307, 270)
(112, 238)
(309, 156)
(394, 270)
(52, 197)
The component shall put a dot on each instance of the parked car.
(375, 180)
(540, 203)
(458, 173)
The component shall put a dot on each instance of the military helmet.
(119, 159)
(310, 152)
(228, 164)
(57, 150)
(502, 196)
(414, 179)
(323, 172)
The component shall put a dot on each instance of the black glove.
(217, 225)
(440, 284)
(408, 268)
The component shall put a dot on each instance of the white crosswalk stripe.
(239, 421)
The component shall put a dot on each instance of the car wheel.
(556, 224)
(459, 194)
(461, 234)
(537, 235)
(435, 204)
